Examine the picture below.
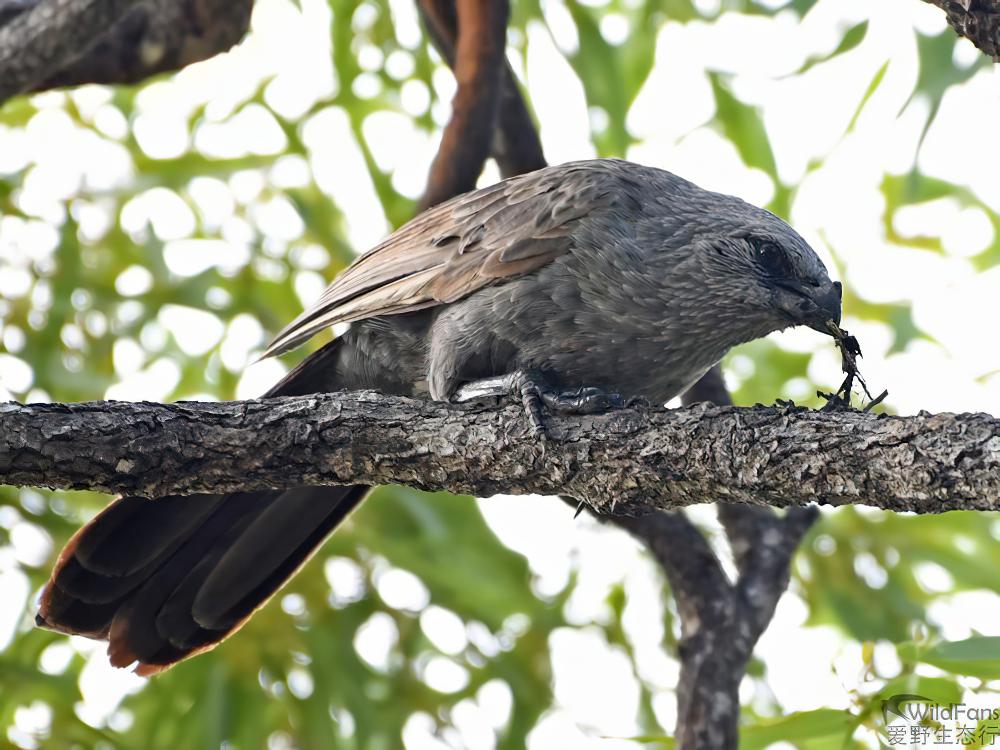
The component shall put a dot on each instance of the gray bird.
(577, 286)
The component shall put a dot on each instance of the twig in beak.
(850, 350)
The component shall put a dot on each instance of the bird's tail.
(168, 578)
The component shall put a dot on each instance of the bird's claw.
(581, 400)
(518, 384)
(531, 399)
(533, 391)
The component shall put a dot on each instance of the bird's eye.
(773, 260)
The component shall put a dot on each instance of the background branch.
(36, 43)
(720, 621)
(47, 44)
(762, 542)
(976, 20)
(478, 62)
(515, 144)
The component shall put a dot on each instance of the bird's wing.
(460, 246)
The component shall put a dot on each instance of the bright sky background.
(839, 205)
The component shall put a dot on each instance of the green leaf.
(773, 368)
(851, 39)
(914, 187)
(904, 329)
(599, 66)
(872, 88)
(657, 741)
(17, 111)
(938, 689)
(802, 6)
(803, 725)
(978, 656)
(743, 125)
(938, 72)
(613, 73)
(417, 531)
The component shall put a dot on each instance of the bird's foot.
(520, 384)
(582, 400)
(534, 391)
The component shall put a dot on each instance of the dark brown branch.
(976, 20)
(478, 64)
(711, 388)
(45, 44)
(516, 146)
(157, 37)
(637, 459)
(38, 42)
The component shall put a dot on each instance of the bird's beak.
(827, 302)
(809, 305)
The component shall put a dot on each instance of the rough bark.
(630, 459)
(38, 42)
(976, 20)
(46, 44)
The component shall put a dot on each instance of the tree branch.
(46, 44)
(712, 664)
(976, 20)
(515, 145)
(40, 41)
(765, 567)
(157, 37)
(762, 542)
(720, 621)
(638, 459)
(478, 65)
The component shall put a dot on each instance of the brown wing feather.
(458, 247)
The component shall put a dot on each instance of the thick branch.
(713, 657)
(44, 38)
(976, 20)
(642, 459)
(156, 37)
(45, 44)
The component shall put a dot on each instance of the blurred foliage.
(87, 303)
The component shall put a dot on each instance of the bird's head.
(771, 274)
